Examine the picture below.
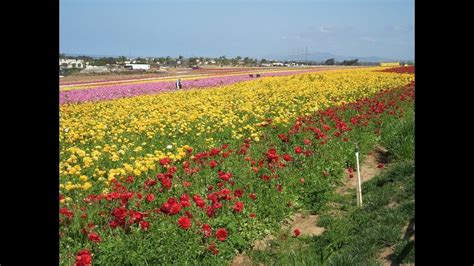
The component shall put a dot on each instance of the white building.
(71, 63)
(138, 66)
(277, 64)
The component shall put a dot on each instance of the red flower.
(214, 152)
(278, 187)
(238, 206)
(380, 165)
(188, 214)
(184, 200)
(150, 197)
(213, 249)
(64, 211)
(345, 139)
(120, 213)
(252, 215)
(113, 224)
(297, 232)
(307, 142)
(238, 193)
(184, 222)
(266, 177)
(166, 183)
(175, 208)
(213, 164)
(83, 258)
(298, 150)
(283, 137)
(130, 179)
(207, 230)
(221, 234)
(253, 196)
(210, 188)
(94, 237)
(144, 225)
(186, 184)
(287, 157)
(302, 180)
(165, 161)
(225, 176)
(272, 155)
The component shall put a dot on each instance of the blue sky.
(254, 28)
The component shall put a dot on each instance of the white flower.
(169, 147)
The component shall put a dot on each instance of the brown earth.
(368, 169)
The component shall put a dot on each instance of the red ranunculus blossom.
(380, 165)
(253, 215)
(297, 232)
(113, 224)
(188, 214)
(278, 187)
(213, 164)
(238, 193)
(210, 188)
(130, 179)
(175, 209)
(266, 177)
(120, 213)
(253, 196)
(298, 150)
(214, 151)
(144, 225)
(221, 234)
(66, 212)
(83, 258)
(213, 249)
(307, 142)
(94, 237)
(238, 206)
(150, 197)
(287, 157)
(165, 161)
(184, 222)
(207, 230)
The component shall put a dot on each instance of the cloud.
(368, 39)
(324, 29)
(400, 28)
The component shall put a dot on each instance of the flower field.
(192, 176)
(113, 90)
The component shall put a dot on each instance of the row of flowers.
(106, 91)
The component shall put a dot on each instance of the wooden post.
(359, 186)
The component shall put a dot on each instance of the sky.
(253, 28)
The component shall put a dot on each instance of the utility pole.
(306, 56)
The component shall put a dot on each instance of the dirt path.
(307, 223)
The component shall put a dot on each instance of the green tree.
(330, 62)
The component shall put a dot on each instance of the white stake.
(359, 187)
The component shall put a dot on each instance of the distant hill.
(321, 57)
